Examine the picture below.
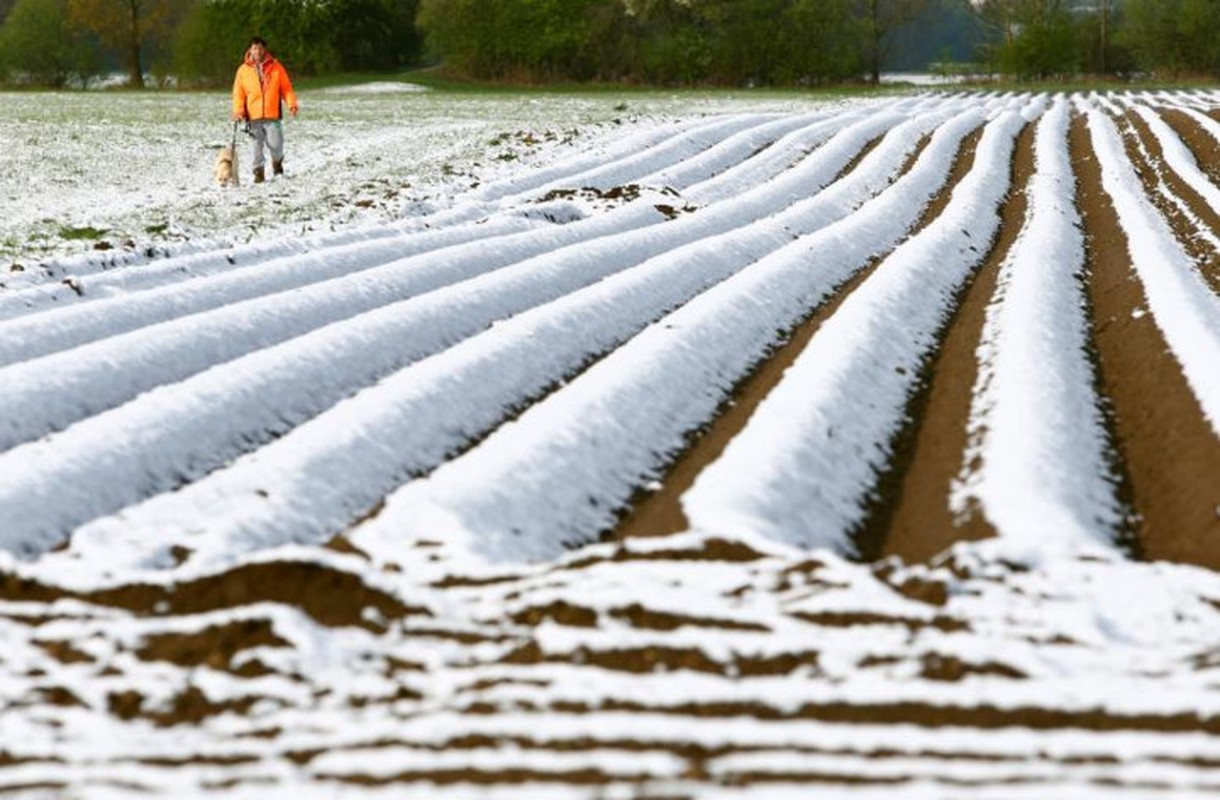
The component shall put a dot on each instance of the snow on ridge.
(167, 440)
(62, 328)
(1183, 307)
(1035, 423)
(801, 468)
(556, 474)
(302, 497)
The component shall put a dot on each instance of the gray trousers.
(270, 133)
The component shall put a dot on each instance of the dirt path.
(1168, 451)
(661, 513)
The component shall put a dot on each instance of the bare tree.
(881, 17)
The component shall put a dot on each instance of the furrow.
(1165, 445)
(559, 473)
(658, 511)
(803, 469)
(308, 263)
(1037, 467)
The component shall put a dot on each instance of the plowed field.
(861, 449)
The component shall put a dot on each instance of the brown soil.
(919, 523)
(1169, 453)
(214, 646)
(638, 616)
(921, 714)
(713, 549)
(560, 613)
(508, 777)
(661, 513)
(646, 660)
(189, 707)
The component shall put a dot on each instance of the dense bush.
(38, 46)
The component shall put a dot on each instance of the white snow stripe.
(801, 470)
(632, 169)
(1184, 308)
(793, 148)
(1035, 422)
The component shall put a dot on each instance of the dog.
(225, 169)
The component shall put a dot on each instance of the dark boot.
(277, 167)
(259, 175)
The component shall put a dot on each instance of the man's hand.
(294, 112)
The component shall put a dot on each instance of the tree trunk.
(875, 30)
(134, 66)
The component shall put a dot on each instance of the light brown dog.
(225, 169)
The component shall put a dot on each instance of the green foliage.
(760, 42)
(1174, 36)
(1047, 45)
(39, 48)
(310, 38)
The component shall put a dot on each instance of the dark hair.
(259, 41)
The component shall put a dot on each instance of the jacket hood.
(268, 60)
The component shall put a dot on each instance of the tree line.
(58, 43)
(649, 42)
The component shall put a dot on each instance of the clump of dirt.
(660, 658)
(214, 646)
(644, 618)
(951, 669)
(189, 707)
(560, 613)
(330, 596)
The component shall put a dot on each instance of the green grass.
(86, 232)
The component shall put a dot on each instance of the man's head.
(258, 48)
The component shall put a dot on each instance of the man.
(260, 89)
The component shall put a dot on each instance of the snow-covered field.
(690, 446)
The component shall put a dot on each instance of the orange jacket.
(258, 96)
